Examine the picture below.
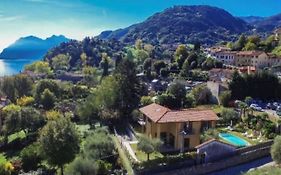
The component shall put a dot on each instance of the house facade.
(257, 59)
(178, 129)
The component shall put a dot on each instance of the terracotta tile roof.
(250, 53)
(213, 140)
(188, 115)
(154, 111)
(160, 114)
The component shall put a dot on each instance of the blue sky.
(79, 18)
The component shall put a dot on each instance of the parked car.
(256, 107)
(278, 110)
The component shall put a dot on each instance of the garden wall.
(244, 155)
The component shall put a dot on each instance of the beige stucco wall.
(153, 130)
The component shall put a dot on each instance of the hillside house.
(179, 130)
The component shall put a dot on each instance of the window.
(186, 144)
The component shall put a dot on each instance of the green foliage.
(128, 87)
(228, 116)
(167, 100)
(48, 99)
(201, 94)
(31, 157)
(90, 75)
(46, 84)
(158, 65)
(40, 67)
(82, 166)
(59, 141)
(16, 86)
(277, 51)
(209, 134)
(25, 101)
(225, 98)
(262, 85)
(177, 89)
(148, 145)
(189, 101)
(275, 170)
(276, 150)
(60, 62)
(146, 100)
(99, 145)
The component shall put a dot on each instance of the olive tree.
(148, 145)
(60, 142)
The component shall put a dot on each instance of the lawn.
(266, 171)
(143, 156)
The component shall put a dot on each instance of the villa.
(179, 130)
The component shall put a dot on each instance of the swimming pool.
(235, 140)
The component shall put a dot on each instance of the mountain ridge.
(31, 47)
(183, 24)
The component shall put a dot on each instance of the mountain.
(252, 19)
(183, 24)
(268, 24)
(31, 47)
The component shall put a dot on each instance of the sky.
(77, 19)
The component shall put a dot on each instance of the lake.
(13, 66)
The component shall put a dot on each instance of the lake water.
(13, 66)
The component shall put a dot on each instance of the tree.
(181, 55)
(60, 62)
(229, 115)
(99, 145)
(31, 119)
(46, 84)
(202, 94)
(23, 84)
(225, 98)
(240, 44)
(248, 100)
(60, 142)
(48, 99)
(276, 150)
(146, 100)
(177, 89)
(189, 101)
(41, 67)
(31, 157)
(82, 166)
(104, 64)
(148, 145)
(90, 75)
(8, 87)
(167, 100)
(185, 71)
(128, 87)
(158, 65)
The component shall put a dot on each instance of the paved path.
(238, 170)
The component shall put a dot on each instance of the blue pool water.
(237, 141)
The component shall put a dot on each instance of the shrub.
(276, 150)
(31, 157)
(25, 101)
(82, 166)
(225, 98)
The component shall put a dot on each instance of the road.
(238, 170)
